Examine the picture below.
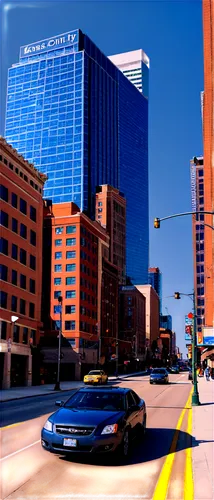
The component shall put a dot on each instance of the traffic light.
(156, 223)
(60, 299)
(177, 295)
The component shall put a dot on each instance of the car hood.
(72, 416)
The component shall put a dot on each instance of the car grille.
(71, 429)
(57, 446)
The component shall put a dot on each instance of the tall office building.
(135, 66)
(74, 114)
(199, 246)
(155, 279)
(208, 132)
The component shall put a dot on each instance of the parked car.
(96, 377)
(95, 420)
(159, 376)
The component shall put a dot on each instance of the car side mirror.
(59, 403)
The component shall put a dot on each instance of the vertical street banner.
(188, 329)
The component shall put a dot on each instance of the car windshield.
(94, 373)
(159, 371)
(94, 400)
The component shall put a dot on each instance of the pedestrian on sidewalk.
(207, 373)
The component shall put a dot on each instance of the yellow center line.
(10, 426)
(188, 477)
(163, 481)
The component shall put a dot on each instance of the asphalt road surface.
(159, 468)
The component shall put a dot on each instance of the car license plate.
(70, 442)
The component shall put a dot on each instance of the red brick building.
(111, 214)
(208, 133)
(132, 331)
(21, 264)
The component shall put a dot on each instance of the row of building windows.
(69, 229)
(12, 305)
(22, 335)
(69, 242)
(14, 279)
(4, 195)
(14, 253)
(4, 221)
(68, 268)
(71, 309)
(21, 174)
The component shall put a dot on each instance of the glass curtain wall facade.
(73, 114)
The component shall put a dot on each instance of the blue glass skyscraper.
(73, 114)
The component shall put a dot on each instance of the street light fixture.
(57, 385)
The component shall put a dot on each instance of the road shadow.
(155, 445)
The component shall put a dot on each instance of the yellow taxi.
(96, 377)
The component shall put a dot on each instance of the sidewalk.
(28, 392)
(203, 433)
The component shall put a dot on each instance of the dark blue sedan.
(159, 376)
(95, 420)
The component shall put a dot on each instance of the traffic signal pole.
(195, 394)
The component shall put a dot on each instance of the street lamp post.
(57, 385)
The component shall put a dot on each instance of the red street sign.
(190, 315)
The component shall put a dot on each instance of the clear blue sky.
(170, 32)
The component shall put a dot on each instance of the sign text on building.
(50, 44)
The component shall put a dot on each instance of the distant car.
(190, 375)
(98, 420)
(96, 377)
(175, 369)
(159, 376)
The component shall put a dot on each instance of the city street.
(29, 472)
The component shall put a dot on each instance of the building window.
(23, 206)
(33, 337)
(33, 213)
(14, 251)
(82, 310)
(3, 193)
(58, 255)
(56, 309)
(32, 286)
(32, 310)
(3, 218)
(23, 281)
(58, 230)
(13, 303)
(16, 333)
(57, 294)
(22, 306)
(23, 256)
(25, 335)
(4, 246)
(3, 272)
(70, 309)
(57, 281)
(58, 268)
(23, 231)
(200, 173)
(3, 300)
(83, 295)
(100, 210)
(33, 237)
(58, 243)
(14, 277)
(71, 254)
(70, 267)
(70, 294)
(3, 327)
(70, 229)
(100, 204)
(69, 325)
(71, 280)
(14, 225)
(32, 262)
(70, 242)
(14, 200)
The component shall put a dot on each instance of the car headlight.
(110, 429)
(48, 426)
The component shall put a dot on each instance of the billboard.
(206, 337)
(188, 329)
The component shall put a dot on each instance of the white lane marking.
(19, 451)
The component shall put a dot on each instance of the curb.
(71, 389)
